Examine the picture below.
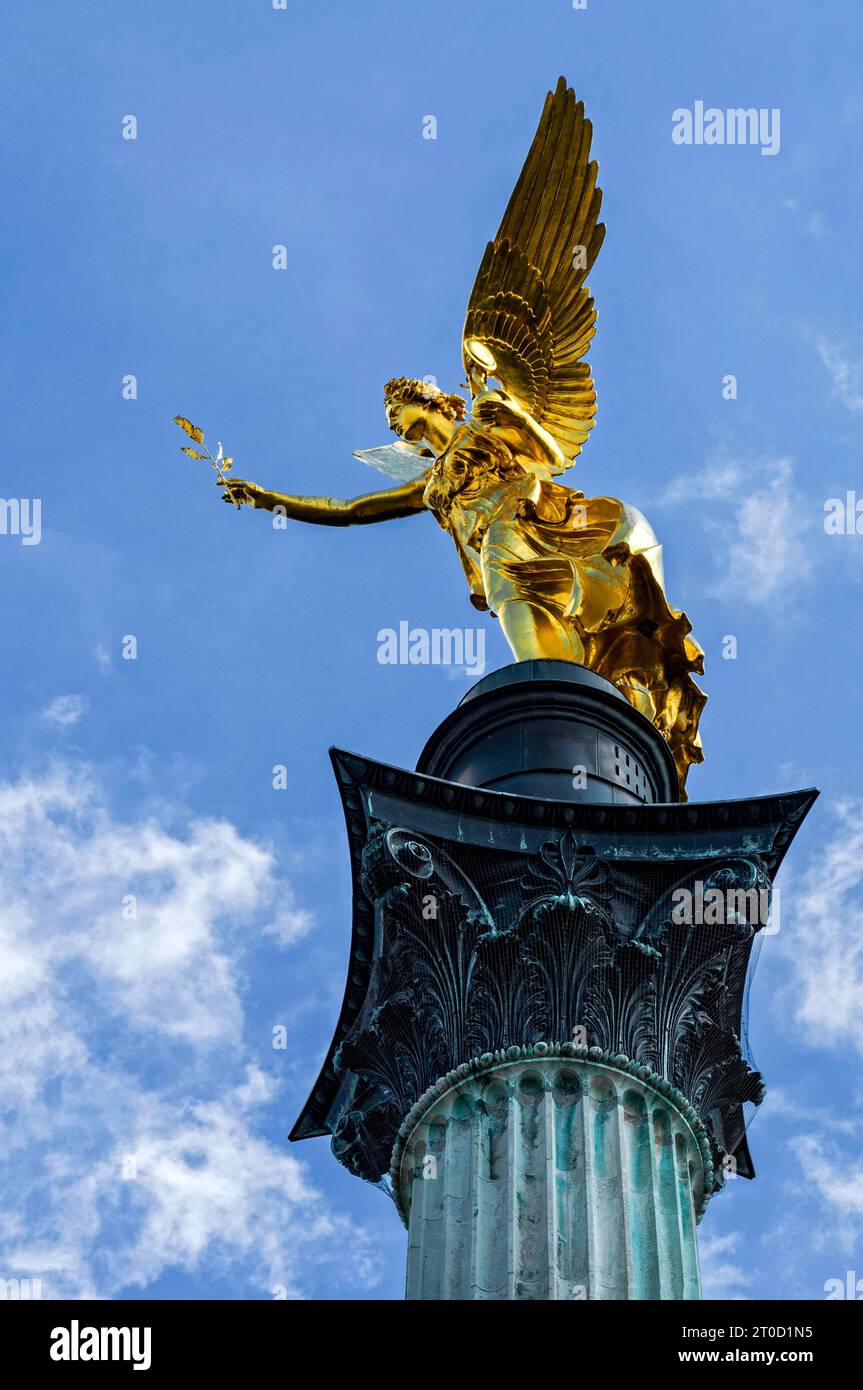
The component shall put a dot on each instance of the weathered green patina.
(520, 943)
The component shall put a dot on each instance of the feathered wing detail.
(530, 312)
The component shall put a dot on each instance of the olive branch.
(219, 461)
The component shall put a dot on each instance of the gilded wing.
(530, 317)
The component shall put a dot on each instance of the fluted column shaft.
(551, 1178)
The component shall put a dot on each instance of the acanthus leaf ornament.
(469, 981)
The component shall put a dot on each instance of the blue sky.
(143, 1109)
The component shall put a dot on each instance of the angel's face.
(415, 423)
(408, 421)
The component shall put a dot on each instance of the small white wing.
(404, 462)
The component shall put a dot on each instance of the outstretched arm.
(333, 511)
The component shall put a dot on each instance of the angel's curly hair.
(408, 390)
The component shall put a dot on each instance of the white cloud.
(720, 1276)
(756, 525)
(780, 1104)
(291, 923)
(831, 1179)
(66, 709)
(839, 1182)
(131, 1133)
(722, 477)
(814, 222)
(846, 375)
(822, 938)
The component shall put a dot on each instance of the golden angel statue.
(569, 577)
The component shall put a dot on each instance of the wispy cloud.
(831, 1173)
(756, 527)
(822, 938)
(813, 222)
(781, 1105)
(292, 922)
(721, 1277)
(846, 374)
(721, 477)
(66, 710)
(839, 1183)
(131, 1137)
